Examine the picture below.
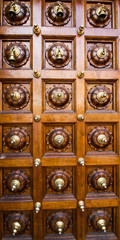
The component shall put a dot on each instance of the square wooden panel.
(101, 96)
(101, 138)
(59, 96)
(16, 96)
(101, 54)
(59, 53)
(17, 139)
(25, 58)
(25, 19)
(92, 18)
(59, 138)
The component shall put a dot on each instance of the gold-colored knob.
(59, 96)
(15, 184)
(36, 29)
(80, 74)
(37, 162)
(59, 226)
(37, 207)
(15, 140)
(81, 161)
(59, 139)
(58, 53)
(102, 224)
(58, 10)
(101, 53)
(81, 205)
(101, 12)
(14, 53)
(37, 118)
(80, 30)
(102, 139)
(59, 183)
(36, 74)
(14, 9)
(101, 96)
(15, 96)
(102, 182)
(80, 117)
(16, 227)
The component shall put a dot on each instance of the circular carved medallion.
(99, 138)
(56, 216)
(99, 97)
(58, 139)
(58, 14)
(16, 96)
(16, 54)
(16, 139)
(22, 178)
(58, 174)
(99, 15)
(58, 97)
(16, 13)
(100, 56)
(58, 55)
(100, 179)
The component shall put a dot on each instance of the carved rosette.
(99, 97)
(59, 139)
(21, 176)
(58, 55)
(58, 97)
(16, 13)
(21, 218)
(99, 15)
(16, 96)
(56, 216)
(16, 139)
(94, 179)
(100, 56)
(56, 174)
(97, 214)
(16, 54)
(100, 138)
(58, 14)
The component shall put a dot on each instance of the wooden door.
(59, 120)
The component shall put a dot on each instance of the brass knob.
(59, 139)
(58, 54)
(102, 139)
(80, 30)
(81, 161)
(80, 117)
(15, 184)
(14, 53)
(16, 227)
(80, 74)
(59, 96)
(14, 9)
(102, 182)
(59, 226)
(15, 140)
(101, 96)
(58, 10)
(101, 53)
(37, 162)
(37, 118)
(81, 205)
(101, 12)
(36, 29)
(36, 74)
(15, 96)
(102, 224)
(59, 183)
(37, 207)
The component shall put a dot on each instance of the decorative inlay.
(16, 96)
(100, 179)
(99, 138)
(16, 54)
(58, 14)
(58, 55)
(57, 175)
(99, 15)
(16, 139)
(58, 97)
(58, 139)
(22, 178)
(16, 13)
(100, 56)
(99, 97)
